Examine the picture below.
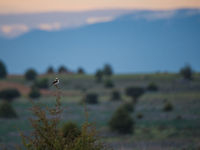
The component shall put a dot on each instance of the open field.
(157, 130)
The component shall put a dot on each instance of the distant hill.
(142, 41)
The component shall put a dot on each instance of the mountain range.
(141, 41)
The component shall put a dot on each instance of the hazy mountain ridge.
(136, 42)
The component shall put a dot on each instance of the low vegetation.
(62, 70)
(3, 71)
(99, 76)
(168, 107)
(91, 98)
(152, 87)
(50, 70)
(48, 136)
(122, 122)
(70, 130)
(9, 94)
(170, 114)
(7, 111)
(30, 75)
(115, 95)
(42, 83)
(134, 92)
(34, 93)
(80, 71)
(186, 72)
(109, 83)
(107, 70)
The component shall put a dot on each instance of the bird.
(55, 82)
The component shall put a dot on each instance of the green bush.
(34, 93)
(70, 130)
(42, 83)
(186, 72)
(30, 74)
(107, 70)
(46, 134)
(134, 92)
(121, 122)
(168, 107)
(99, 75)
(80, 71)
(115, 95)
(50, 70)
(91, 98)
(9, 94)
(3, 72)
(88, 140)
(109, 83)
(152, 87)
(62, 69)
(7, 111)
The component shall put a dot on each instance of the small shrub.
(3, 72)
(50, 70)
(186, 72)
(34, 93)
(42, 83)
(121, 122)
(80, 71)
(7, 111)
(109, 83)
(70, 130)
(152, 87)
(168, 107)
(134, 92)
(9, 94)
(107, 70)
(99, 75)
(115, 95)
(30, 74)
(139, 116)
(91, 98)
(62, 69)
(46, 134)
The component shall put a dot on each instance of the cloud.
(50, 26)
(14, 29)
(92, 20)
(15, 25)
(159, 15)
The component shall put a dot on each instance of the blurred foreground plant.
(47, 135)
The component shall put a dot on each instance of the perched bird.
(55, 82)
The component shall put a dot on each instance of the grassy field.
(157, 130)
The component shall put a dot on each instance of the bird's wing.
(54, 82)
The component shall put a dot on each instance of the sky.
(37, 6)
(18, 17)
